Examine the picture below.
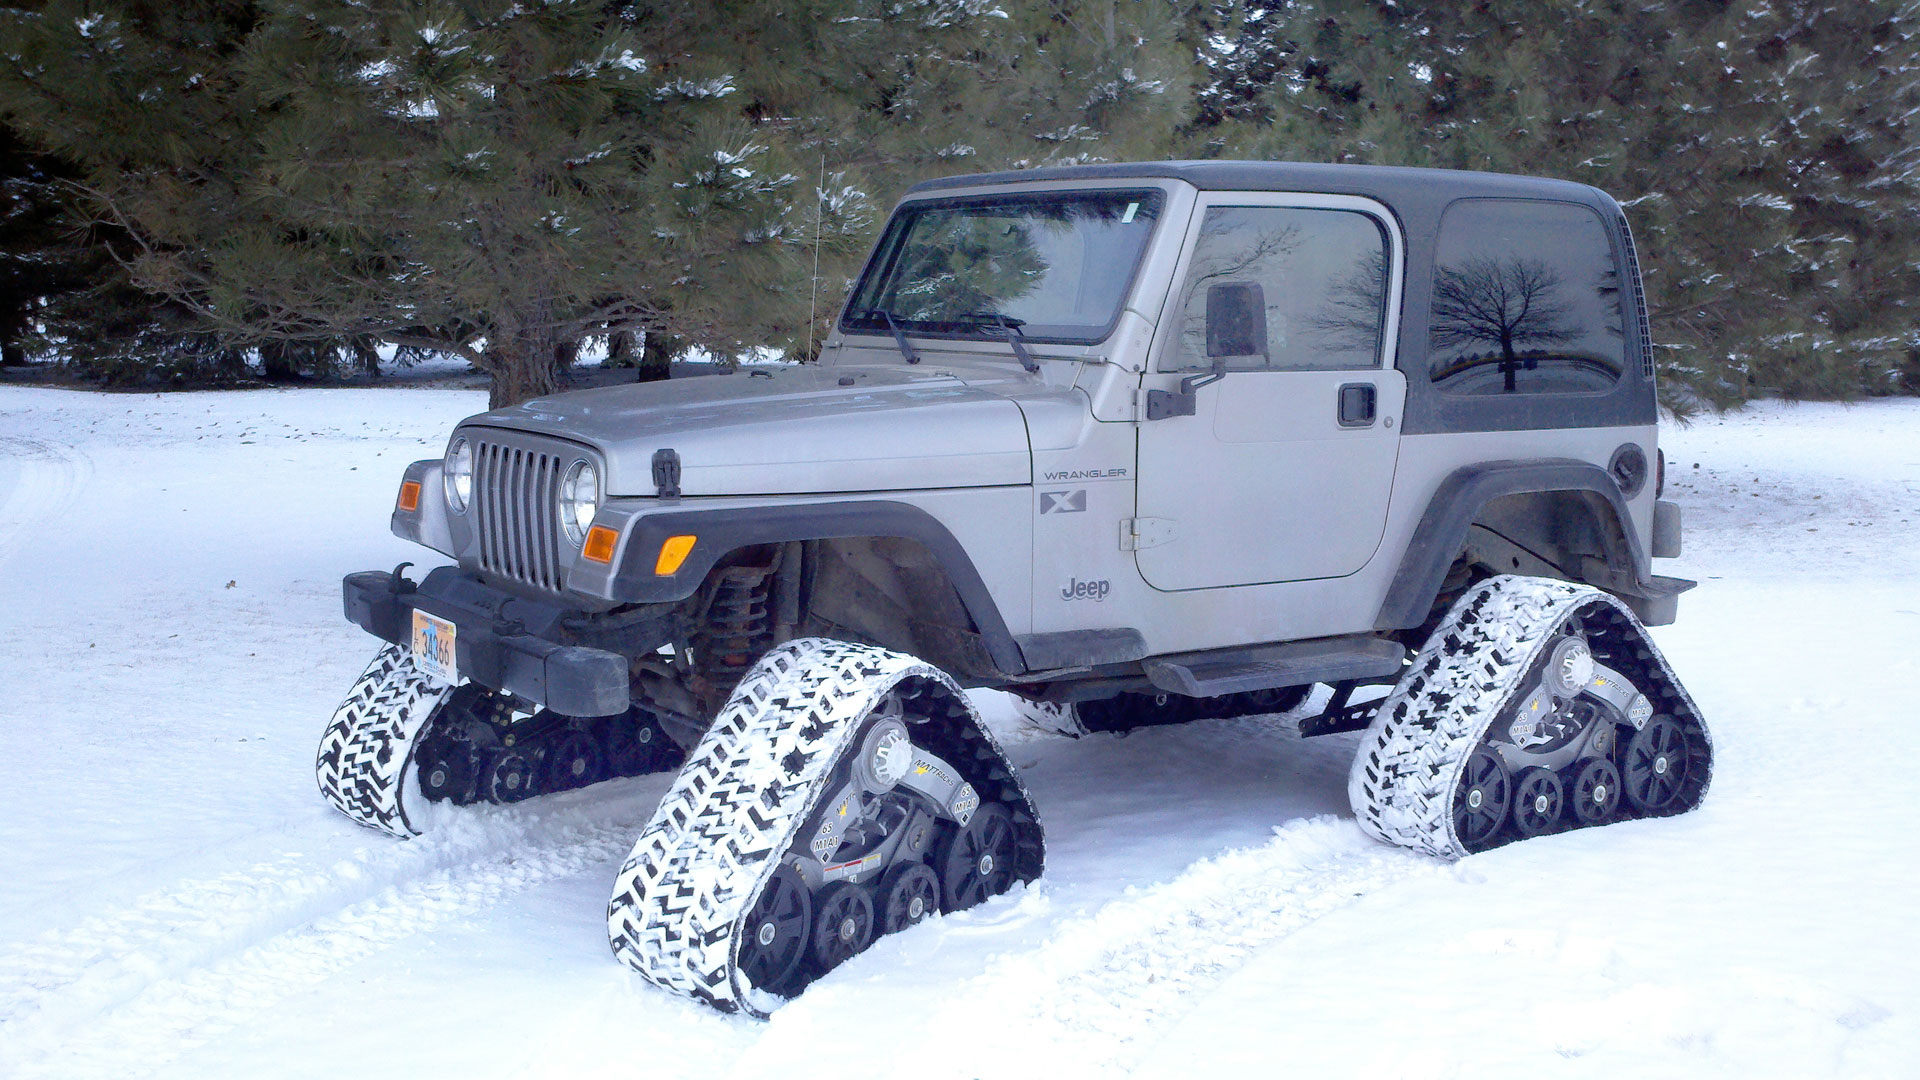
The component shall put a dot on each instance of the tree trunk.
(522, 366)
(365, 357)
(656, 356)
(277, 363)
(619, 349)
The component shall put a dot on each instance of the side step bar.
(1267, 667)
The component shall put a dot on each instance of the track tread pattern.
(365, 750)
(680, 899)
(1407, 770)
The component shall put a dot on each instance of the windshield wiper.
(900, 339)
(1010, 328)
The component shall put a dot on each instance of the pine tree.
(1763, 151)
(503, 180)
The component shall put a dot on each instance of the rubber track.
(364, 753)
(679, 901)
(1406, 773)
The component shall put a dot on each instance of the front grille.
(516, 494)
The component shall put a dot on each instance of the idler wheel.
(1656, 765)
(842, 924)
(574, 761)
(776, 934)
(978, 862)
(1480, 807)
(910, 893)
(1596, 792)
(1537, 799)
(512, 778)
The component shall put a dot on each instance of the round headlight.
(458, 473)
(579, 499)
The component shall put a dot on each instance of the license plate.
(433, 639)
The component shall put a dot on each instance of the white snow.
(176, 900)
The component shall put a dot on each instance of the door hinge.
(1137, 534)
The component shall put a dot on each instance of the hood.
(790, 431)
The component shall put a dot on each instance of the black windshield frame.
(862, 317)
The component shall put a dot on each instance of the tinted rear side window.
(1526, 300)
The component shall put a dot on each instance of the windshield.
(1055, 264)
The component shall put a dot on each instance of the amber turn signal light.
(672, 554)
(410, 496)
(599, 545)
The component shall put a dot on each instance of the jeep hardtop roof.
(1399, 187)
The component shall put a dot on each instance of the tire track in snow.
(1095, 992)
(129, 990)
(38, 481)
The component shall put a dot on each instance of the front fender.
(630, 578)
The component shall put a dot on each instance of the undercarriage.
(844, 791)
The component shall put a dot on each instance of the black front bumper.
(492, 642)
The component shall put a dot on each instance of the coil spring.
(738, 628)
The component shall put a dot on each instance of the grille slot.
(1639, 301)
(516, 492)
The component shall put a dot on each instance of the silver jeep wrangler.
(1139, 443)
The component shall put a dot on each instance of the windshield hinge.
(1138, 534)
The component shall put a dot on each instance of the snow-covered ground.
(176, 900)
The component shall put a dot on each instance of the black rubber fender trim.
(1442, 531)
(718, 532)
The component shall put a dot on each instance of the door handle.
(1356, 405)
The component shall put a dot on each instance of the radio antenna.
(819, 214)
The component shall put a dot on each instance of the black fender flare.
(1442, 531)
(718, 532)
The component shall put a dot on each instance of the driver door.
(1285, 468)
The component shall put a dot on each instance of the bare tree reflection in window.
(1510, 304)
(1356, 307)
(1213, 261)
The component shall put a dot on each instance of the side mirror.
(1236, 321)
(1236, 326)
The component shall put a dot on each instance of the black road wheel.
(842, 924)
(909, 894)
(1537, 798)
(574, 761)
(978, 861)
(1595, 796)
(449, 775)
(1480, 805)
(776, 935)
(512, 778)
(1656, 765)
(624, 751)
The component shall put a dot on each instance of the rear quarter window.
(1526, 300)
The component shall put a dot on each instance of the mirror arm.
(1162, 404)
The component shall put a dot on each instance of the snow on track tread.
(678, 902)
(1403, 779)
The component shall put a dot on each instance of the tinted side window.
(1322, 279)
(1526, 300)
